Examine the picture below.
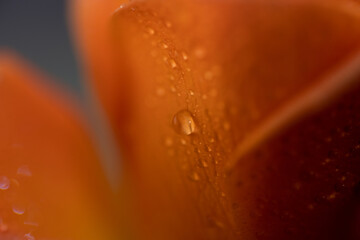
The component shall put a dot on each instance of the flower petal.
(51, 185)
(192, 80)
(90, 26)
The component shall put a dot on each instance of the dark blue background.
(38, 30)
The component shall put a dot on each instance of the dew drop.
(184, 123)
(4, 183)
(24, 171)
(151, 31)
(185, 56)
(29, 236)
(195, 176)
(173, 63)
(331, 196)
(168, 24)
(173, 88)
(204, 164)
(19, 210)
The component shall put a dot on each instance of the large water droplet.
(184, 123)
(4, 183)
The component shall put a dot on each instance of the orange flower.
(234, 120)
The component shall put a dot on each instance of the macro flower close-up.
(198, 119)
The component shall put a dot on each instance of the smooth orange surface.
(49, 158)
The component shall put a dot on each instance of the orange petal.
(90, 27)
(197, 87)
(50, 179)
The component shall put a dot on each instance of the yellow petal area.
(51, 183)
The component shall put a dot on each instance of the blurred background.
(38, 30)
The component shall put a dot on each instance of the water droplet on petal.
(204, 164)
(172, 88)
(29, 236)
(331, 196)
(24, 171)
(151, 31)
(19, 210)
(195, 176)
(184, 123)
(173, 63)
(168, 24)
(185, 56)
(4, 183)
